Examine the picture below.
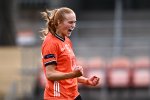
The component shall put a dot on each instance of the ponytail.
(50, 24)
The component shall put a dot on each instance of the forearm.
(82, 79)
(57, 75)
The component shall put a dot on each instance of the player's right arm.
(55, 75)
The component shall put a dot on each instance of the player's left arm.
(93, 81)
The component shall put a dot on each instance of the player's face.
(67, 26)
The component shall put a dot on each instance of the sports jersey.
(58, 50)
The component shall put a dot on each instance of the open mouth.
(70, 30)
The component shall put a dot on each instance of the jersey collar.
(59, 37)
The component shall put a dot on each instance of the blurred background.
(112, 41)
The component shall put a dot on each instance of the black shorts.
(78, 98)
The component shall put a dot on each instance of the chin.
(69, 35)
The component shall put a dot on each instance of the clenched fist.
(78, 71)
(93, 81)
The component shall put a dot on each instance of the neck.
(60, 37)
(60, 34)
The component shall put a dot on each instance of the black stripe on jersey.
(50, 63)
(59, 37)
(49, 56)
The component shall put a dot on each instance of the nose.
(73, 25)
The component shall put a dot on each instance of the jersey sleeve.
(49, 54)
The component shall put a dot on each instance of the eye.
(72, 22)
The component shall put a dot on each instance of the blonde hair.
(53, 18)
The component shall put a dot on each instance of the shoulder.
(49, 41)
(68, 41)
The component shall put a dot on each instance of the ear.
(58, 22)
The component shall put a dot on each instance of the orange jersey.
(56, 50)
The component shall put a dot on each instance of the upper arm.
(49, 54)
(50, 69)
